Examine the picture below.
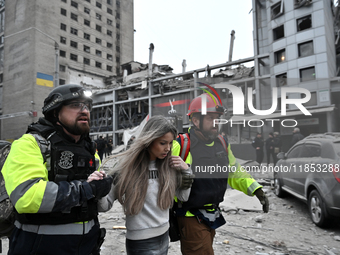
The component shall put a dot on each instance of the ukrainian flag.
(44, 80)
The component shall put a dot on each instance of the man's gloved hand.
(101, 188)
(263, 199)
(187, 180)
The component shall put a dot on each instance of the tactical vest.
(65, 161)
(206, 190)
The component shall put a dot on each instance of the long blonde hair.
(133, 169)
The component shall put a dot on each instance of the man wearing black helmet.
(52, 177)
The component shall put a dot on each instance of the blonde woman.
(148, 179)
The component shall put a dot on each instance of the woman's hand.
(96, 176)
(178, 163)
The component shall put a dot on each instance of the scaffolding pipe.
(231, 46)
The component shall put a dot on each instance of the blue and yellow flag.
(44, 80)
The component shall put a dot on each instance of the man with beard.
(200, 215)
(53, 191)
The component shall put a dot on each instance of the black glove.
(263, 199)
(187, 180)
(101, 188)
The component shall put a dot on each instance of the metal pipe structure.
(231, 46)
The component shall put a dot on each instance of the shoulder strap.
(184, 142)
(43, 143)
(224, 143)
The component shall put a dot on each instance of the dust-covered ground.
(286, 229)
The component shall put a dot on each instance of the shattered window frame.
(306, 49)
(62, 53)
(277, 10)
(109, 68)
(304, 19)
(280, 56)
(302, 3)
(307, 74)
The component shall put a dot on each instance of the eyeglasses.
(80, 106)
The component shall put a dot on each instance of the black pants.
(26, 243)
(259, 156)
(270, 153)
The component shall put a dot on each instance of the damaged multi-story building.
(45, 44)
(296, 45)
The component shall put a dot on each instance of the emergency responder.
(53, 193)
(207, 150)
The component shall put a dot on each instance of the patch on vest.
(66, 159)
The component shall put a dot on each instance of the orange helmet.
(213, 105)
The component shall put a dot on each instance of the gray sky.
(195, 30)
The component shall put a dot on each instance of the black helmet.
(62, 94)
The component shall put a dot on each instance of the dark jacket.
(296, 137)
(270, 144)
(258, 142)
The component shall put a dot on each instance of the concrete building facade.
(51, 43)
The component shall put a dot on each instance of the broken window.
(98, 28)
(301, 3)
(109, 56)
(277, 10)
(109, 11)
(278, 32)
(304, 23)
(98, 53)
(98, 40)
(281, 80)
(62, 53)
(109, 45)
(62, 68)
(307, 74)
(305, 49)
(99, 5)
(280, 56)
(109, 68)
